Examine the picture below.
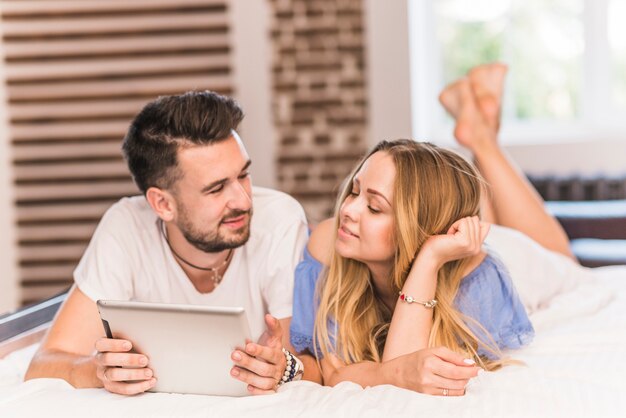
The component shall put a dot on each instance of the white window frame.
(599, 119)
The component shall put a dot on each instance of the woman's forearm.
(411, 322)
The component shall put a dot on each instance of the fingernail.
(469, 361)
(236, 356)
(143, 361)
(126, 346)
(148, 372)
(234, 372)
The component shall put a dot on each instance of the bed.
(575, 367)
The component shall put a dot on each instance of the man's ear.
(162, 202)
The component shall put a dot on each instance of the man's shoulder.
(128, 211)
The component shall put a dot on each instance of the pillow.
(538, 274)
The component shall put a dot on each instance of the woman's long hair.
(433, 188)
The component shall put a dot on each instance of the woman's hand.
(435, 371)
(430, 371)
(464, 239)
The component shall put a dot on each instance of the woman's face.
(366, 216)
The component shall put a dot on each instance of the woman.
(407, 270)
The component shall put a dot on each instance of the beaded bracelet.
(430, 304)
(290, 368)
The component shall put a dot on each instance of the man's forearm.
(79, 371)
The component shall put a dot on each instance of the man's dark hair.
(163, 125)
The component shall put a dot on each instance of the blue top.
(486, 294)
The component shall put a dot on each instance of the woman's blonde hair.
(433, 188)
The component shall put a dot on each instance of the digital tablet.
(188, 346)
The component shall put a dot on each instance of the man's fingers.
(246, 376)
(130, 360)
(256, 391)
(258, 367)
(112, 344)
(118, 374)
(270, 355)
(129, 388)
(273, 326)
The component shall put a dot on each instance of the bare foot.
(487, 83)
(450, 97)
(471, 130)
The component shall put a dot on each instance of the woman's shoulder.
(321, 241)
(488, 277)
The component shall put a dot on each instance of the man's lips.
(235, 222)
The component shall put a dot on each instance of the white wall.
(252, 57)
(388, 82)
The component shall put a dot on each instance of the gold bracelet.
(430, 304)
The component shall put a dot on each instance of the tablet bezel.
(188, 346)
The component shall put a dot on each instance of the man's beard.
(214, 242)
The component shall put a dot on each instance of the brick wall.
(319, 103)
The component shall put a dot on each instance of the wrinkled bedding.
(575, 366)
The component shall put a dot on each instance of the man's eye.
(217, 189)
(243, 176)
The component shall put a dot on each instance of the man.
(191, 238)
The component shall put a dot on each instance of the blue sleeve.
(304, 303)
(488, 296)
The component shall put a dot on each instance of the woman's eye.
(373, 210)
(354, 193)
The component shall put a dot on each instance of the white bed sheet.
(575, 367)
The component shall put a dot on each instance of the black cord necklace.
(217, 277)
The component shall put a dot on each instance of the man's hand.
(261, 365)
(434, 371)
(120, 371)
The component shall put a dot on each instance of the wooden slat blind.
(76, 72)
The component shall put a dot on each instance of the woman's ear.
(162, 202)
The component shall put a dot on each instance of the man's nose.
(239, 197)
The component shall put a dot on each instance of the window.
(567, 63)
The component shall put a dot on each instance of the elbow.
(34, 369)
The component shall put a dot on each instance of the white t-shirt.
(129, 259)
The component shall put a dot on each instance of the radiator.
(580, 188)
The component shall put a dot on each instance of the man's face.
(214, 195)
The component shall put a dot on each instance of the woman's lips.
(345, 232)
